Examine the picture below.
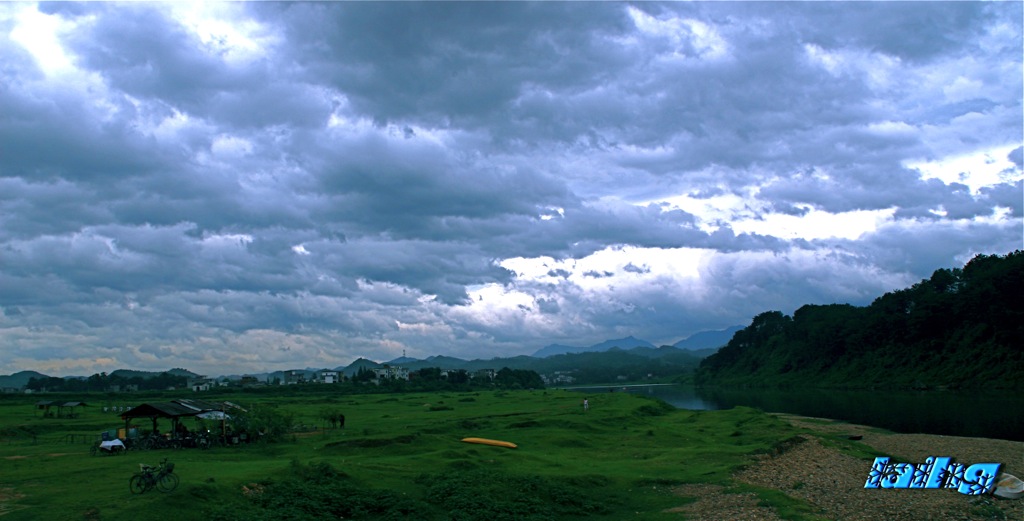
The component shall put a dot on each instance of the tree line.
(436, 379)
(961, 328)
(425, 379)
(101, 382)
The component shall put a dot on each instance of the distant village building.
(390, 373)
(485, 373)
(329, 377)
(559, 377)
(294, 376)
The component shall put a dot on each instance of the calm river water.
(979, 414)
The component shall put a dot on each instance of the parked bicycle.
(161, 477)
(153, 442)
(197, 440)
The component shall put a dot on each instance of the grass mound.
(369, 443)
(490, 495)
(319, 492)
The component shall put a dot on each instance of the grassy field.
(398, 457)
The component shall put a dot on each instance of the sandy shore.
(833, 482)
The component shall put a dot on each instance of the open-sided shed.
(67, 409)
(175, 410)
(64, 409)
(154, 411)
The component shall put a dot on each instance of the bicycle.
(154, 442)
(161, 477)
(203, 441)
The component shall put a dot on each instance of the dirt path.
(833, 482)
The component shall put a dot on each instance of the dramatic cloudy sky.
(251, 186)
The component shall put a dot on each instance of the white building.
(388, 372)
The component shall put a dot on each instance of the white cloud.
(40, 34)
(816, 224)
(978, 169)
(682, 33)
(231, 146)
(224, 30)
(963, 89)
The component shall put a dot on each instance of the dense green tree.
(959, 328)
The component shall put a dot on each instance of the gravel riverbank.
(833, 482)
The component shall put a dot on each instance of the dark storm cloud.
(429, 63)
(322, 181)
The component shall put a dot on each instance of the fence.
(68, 439)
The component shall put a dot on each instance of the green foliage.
(962, 328)
(266, 423)
(517, 379)
(494, 495)
(334, 417)
(367, 443)
(102, 382)
(590, 461)
(655, 407)
(319, 492)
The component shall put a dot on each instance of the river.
(953, 413)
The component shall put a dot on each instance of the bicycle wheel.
(137, 484)
(167, 483)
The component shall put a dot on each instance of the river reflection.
(978, 414)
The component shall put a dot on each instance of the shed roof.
(199, 405)
(159, 410)
(175, 409)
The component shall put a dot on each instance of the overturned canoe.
(485, 441)
(1009, 486)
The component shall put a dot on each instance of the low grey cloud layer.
(241, 187)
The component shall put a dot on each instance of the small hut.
(64, 409)
(67, 409)
(44, 405)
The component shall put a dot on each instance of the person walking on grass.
(586, 404)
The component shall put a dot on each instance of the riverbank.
(814, 470)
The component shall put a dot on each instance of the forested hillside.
(962, 328)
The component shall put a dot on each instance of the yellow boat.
(485, 441)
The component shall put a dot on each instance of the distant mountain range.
(696, 342)
(708, 339)
(19, 379)
(629, 351)
(622, 343)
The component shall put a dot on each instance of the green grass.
(399, 457)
